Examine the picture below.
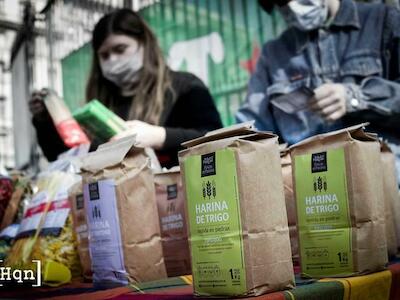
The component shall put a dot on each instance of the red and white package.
(67, 127)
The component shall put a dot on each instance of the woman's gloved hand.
(37, 106)
(146, 135)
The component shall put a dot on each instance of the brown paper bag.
(124, 231)
(339, 200)
(171, 211)
(238, 235)
(81, 229)
(286, 163)
(392, 201)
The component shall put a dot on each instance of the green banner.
(215, 224)
(323, 214)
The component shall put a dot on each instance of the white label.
(33, 213)
(56, 216)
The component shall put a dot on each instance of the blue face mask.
(305, 15)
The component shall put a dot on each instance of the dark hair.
(154, 77)
(268, 5)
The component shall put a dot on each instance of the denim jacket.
(360, 48)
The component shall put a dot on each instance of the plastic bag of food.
(46, 233)
(57, 241)
(32, 216)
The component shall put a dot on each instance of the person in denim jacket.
(348, 53)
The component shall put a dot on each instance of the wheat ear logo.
(209, 189)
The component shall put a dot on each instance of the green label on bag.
(215, 226)
(323, 214)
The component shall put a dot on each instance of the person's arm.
(380, 97)
(194, 114)
(375, 99)
(48, 138)
(256, 106)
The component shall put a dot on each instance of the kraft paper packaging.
(121, 210)
(171, 211)
(81, 228)
(339, 202)
(238, 231)
(392, 200)
(286, 163)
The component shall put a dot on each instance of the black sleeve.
(48, 138)
(193, 115)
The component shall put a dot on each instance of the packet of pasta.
(20, 252)
(57, 241)
(45, 232)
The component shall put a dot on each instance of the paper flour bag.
(171, 210)
(239, 235)
(121, 210)
(339, 199)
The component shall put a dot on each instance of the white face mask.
(305, 15)
(123, 71)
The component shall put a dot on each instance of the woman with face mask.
(129, 75)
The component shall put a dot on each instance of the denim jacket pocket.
(361, 66)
